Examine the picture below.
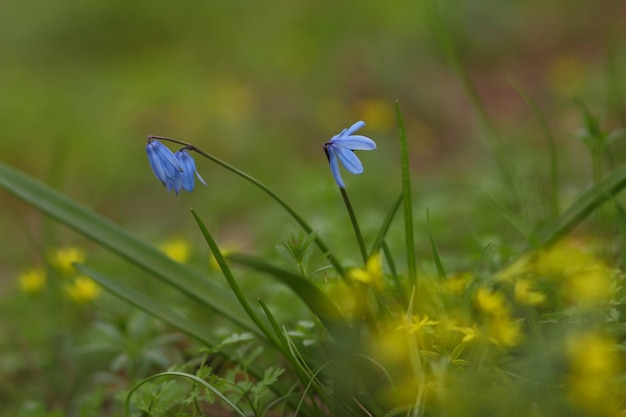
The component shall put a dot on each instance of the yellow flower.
(590, 286)
(32, 280)
(469, 333)
(372, 274)
(491, 302)
(176, 249)
(595, 367)
(526, 294)
(456, 284)
(417, 324)
(63, 258)
(378, 113)
(503, 331)
(83, 290)
(518, 268)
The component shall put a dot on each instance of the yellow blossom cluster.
(80, 289)
(568, 272)
(177, 249)
(593, 382)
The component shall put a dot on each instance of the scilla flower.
(340, 148)
(175, 171)
(185, 178)
(163, 163)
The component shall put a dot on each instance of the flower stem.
(355, 224)
(307, 228)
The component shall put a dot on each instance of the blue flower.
(185, 178)
(340, 148)
(175, 171)
(163, 162)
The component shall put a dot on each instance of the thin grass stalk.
(543, 122)
(406, 196)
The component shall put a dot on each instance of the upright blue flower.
(163, 162)
(340, 148)
(185, 178)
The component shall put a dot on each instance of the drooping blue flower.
(341, 147)
(185, 178)
(163, 162)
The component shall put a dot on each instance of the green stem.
(355, 224)
(307, 228)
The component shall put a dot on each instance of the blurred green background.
(263, 85)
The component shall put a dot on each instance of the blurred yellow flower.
(83, 290)
(491, 302)
(526, 294)
(177, 249)
(456, 284)
(504, 331)
(518, 268)
(469, 333)
(372, 274)
(418, 324)
(595, 367)
(378, 113)
(32, 280)
(63, 258)
(590, 286)
(567, 75)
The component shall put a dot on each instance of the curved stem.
(307, 228)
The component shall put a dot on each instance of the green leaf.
(408, 204)
(85, 221)
(312, 296)
(440, 271)
(589, 201)
(151, 306)
(241, 297)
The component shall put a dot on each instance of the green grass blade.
(589, 201)
(189, 281)
(515, 221)
(313, 297)
(408, 203)
(230, 278)
(384, 228)
(440, 271)
(543, 122)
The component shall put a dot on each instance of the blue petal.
(189, 168)
(162, 161)
(356, 142)
(334, 167)
(200, 178)
(353, 128)
(155, 164)
(349, 160)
